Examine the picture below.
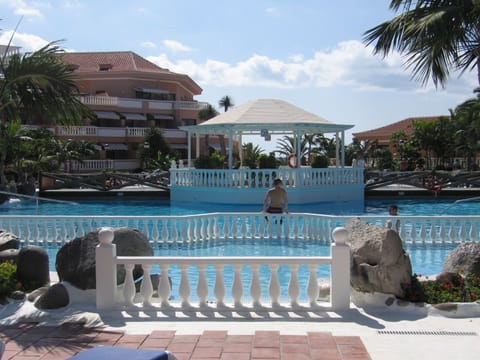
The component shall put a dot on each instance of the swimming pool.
(426, 258)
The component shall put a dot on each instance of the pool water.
(164, 207)
(427, 259)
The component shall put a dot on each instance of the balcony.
(152, 105)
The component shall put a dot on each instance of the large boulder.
(378, 261)
(75, 261)
(33, 267)
(464, 257)
(8, 240)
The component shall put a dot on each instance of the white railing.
(302, 177)
(108, 296)
(44, 229)
(138, 103)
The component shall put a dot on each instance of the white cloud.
(23, 8)
(148, 45)
(349, 64)
(27, 42)
(176, 46)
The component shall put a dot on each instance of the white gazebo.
(265, 117)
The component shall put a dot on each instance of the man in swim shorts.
(275, 199)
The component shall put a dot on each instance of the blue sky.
(306, 52)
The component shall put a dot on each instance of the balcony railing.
(132, 103)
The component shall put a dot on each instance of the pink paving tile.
(295, 348)
(235, 356)
(265, 353)
(181, 347)
(328, 354)
(128, 338)
(237, 348)
(207, 342)
(185, 338)
(295, 339)
(215, 334)
(239, 339)
(207, 352)
(155, 343)
(163, 334)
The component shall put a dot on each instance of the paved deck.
(30, 341)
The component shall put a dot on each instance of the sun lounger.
(114, 352)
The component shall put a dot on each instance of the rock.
(466, 257)
(32, 267)
(17, 295)
(9, 255)
(8, 240)
(378, 261)
(56, 296)
(75, 261)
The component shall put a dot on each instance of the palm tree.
(204, 114)
(436, 37)
(37, 86)
(226, 102)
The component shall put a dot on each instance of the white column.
(105, 269)
(230, 148)
(340, 270)
(337, 150)
(189, 139)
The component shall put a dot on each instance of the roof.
(122, 61)
(270, 114)
(119, 61)
(386, 131)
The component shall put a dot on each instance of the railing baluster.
(312, 287)
(255, 287)
(146, 288)
(237, 286)
(274, 287)
(219, 288)
(129, 286)
(164, 290)
(184, 288)
(293, 287)
(202, 287)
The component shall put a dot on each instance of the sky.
(309, 53)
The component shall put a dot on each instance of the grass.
(451, 287)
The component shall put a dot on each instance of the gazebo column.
(197, 145)
(240, 147)
(299, 147)
(343, 148)
(189, 153)
(230, 148)
(337, 150)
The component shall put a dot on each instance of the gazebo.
(265, 117)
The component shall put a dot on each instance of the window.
(104, 67)
(188, 122)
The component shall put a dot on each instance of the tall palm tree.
(204, 114)
(37, 86)
(435, 35)
(226, 102)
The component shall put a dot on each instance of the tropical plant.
(287, 146)
(156, 152)
(226, 102)
(436, 36)
(267, 161)
(207, 113)
(251, 154)
(8, 278)
(213, 161)
(38, 87)
(320, 161)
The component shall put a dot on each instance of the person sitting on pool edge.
(276, 200)
(393, 211)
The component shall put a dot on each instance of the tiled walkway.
(30, 342)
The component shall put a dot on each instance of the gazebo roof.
(277, 116)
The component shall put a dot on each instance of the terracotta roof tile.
(119, 61)
(386, 131)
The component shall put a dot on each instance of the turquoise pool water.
(426, 259)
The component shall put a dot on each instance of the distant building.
(128, 95)
(382, 134)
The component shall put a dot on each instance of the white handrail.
(244, 296)
(44, 229)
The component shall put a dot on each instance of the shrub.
(8, 278)
(267, 161)
(454, 287)
(320, 161)
(214, 161)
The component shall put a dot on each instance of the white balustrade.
(125, 296)
(255, 178)
(44, 229)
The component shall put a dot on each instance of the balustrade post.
(105, 270)
(340, 270)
